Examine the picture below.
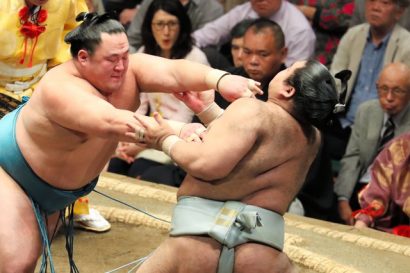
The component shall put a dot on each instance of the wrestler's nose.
(120, 66)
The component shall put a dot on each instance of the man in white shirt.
(299, 36)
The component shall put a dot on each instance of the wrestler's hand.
(232, 87)
(121, 154)
(345, 212)
(192, 132)
(128, 151)
(152, 134)
(196, 101)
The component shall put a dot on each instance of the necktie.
(388, 134)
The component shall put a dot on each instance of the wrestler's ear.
(82, 56)
(287, 92)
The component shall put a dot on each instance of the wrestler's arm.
(155, 74)
(226, 142)
(74, 106)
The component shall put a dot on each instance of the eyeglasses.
(383, 89)
(172, 25)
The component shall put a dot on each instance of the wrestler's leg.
(257, 258)
(20, 243)
(184, 254)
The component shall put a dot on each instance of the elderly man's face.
(393, 87)
(382, 14)
(260, 56)
(266, 8)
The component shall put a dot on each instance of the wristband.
(168, 143)
(212, 112)
(180, 130)
(176, 126)
(213, 78)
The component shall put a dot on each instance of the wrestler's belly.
(70, 169)
(269, 197)
(211, 190)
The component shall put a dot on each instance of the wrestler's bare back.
(268, 176)
(272, 172)
(67, 158)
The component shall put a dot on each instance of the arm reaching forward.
(183, 75)
(226, 142)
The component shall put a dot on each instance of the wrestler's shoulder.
(64, 76)
(247, 104)
(242, 109)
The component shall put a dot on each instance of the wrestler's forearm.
(209, 114)
(116, 124)
(170, 75)
(202, 77)
(196, 159)
(176, 126)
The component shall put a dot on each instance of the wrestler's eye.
(112, 60)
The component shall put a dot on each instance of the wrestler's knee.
(17, 263)
(197, 254)
(19, 256)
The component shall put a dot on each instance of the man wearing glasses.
(376, 122)
(365, 49)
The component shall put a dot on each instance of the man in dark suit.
(368, 131)
(365, 49)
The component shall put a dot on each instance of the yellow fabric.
(50, 47)
(81, 206)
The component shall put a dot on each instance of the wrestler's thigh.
(19, 235)
(258, 258)
(184, 254)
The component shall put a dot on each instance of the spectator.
(367, 134)
(199, 11)
(365, 49)
(330, 20)
(230, 53)
(359, 15)
(263, 55)
(34, 31)
(237, 33)
(30, 52)
(230, 4)
(300, 38)
(385, 201)
(123, 10)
